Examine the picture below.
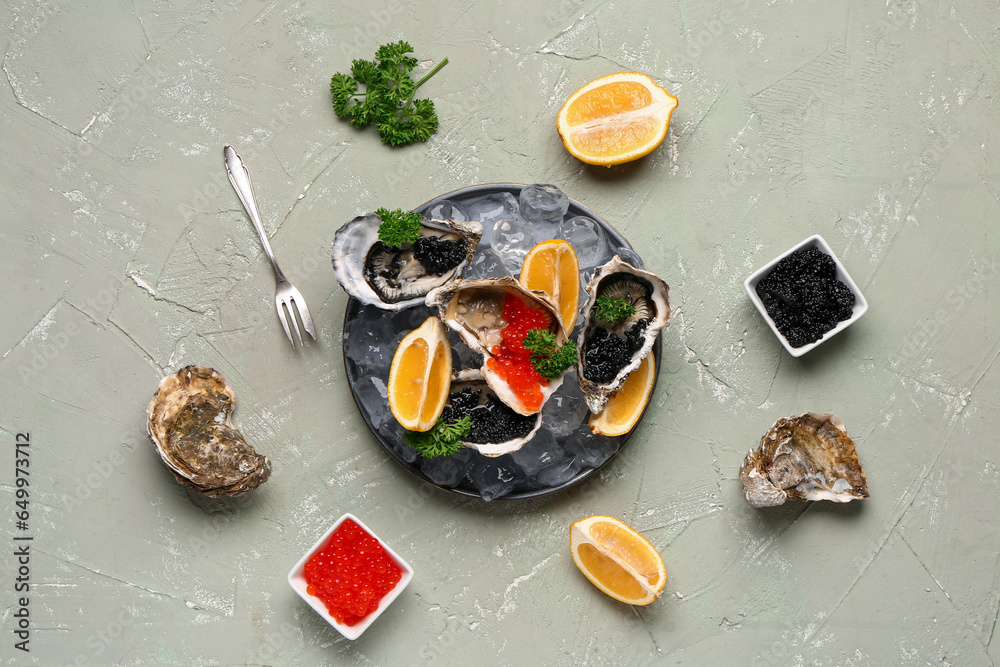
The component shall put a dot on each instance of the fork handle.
(239, 176)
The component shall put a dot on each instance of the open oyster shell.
(188, 422)
(393, 278)
(473, 308)
(496, 429)
(598, 376)
(809, 457)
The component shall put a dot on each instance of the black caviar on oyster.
(492, 420)
(606, 352)
(639, 303)
(804, 297)
(395, 278)
(610, 346)
(389, 269)
(395, 273)
(438, 255)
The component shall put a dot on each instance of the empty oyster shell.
(188, 422)
(395, 278)
(474, 309)
(496, 428)
(809, 457)
(609, 352)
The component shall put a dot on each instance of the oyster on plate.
(397, 278)
(610, 351)
(809, 457)
(496, 429)
(474, 308)
(188, 422)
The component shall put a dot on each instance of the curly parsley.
(444, 438)
(398, 226)
(611, 310)
(387, 100)
(549, 360)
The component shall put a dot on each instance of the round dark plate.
(394, 325)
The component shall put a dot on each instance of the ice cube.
(559, 472)
(485, 264)
(566, 409)
(488, 209)
(397, 338)
(541, 203)
(448, 210)
(448, 471)
(392, 434)
(409, 319)
(540, 451)
(585, 276)
(590, 449)
(369, 343)
(368, 319)
(587, 238)
(373, 396)
(494, 477)
(511, 241)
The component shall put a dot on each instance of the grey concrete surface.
(125, 255)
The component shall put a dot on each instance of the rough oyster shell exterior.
(809, 457)
(655, 306)
(472, 307)
(188, 421)
(473, 377)
(353, 255)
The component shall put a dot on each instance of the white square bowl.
(860, 304)
(297, 580)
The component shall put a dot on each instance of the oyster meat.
(397, 278)
(610, 351)
(496, 429)
(809, 457)
(188, 422)
(474, 308)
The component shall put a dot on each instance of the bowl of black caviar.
(806, 295)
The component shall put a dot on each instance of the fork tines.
(293, 301)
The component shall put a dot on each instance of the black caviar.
(492, 421)
(636, 335)
(804, 297)
(437, 255)
(605, 353)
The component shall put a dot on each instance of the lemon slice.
(420, 376)
(615, 119)
(552, 266)
(625, 406)
(617, 559)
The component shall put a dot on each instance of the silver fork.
(286, 296)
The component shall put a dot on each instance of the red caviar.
(352, 573)
(510, 360)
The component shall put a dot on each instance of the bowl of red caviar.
(350, 576)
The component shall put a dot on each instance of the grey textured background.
(125, 255)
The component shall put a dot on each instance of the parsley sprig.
(398, 226)
(611, 310)
(387, 99)
(444, 438)
(549, 360)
